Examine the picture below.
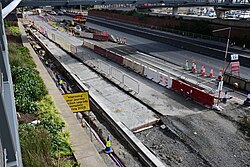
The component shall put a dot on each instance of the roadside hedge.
(44, 144)
(28, 89)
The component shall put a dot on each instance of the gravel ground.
(204, 139)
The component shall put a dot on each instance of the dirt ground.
(202, 139)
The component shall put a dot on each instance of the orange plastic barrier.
(195, 93)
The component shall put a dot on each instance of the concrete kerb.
(72, 124)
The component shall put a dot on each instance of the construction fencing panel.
(115, 57)
(100, 50)
(131, 83)
(195, 93)
(117, 74)
(104, 67)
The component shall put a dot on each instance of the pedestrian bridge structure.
(218, 3)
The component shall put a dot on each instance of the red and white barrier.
(165, 80)
(100, 50)
(115, 57)
(195, 93)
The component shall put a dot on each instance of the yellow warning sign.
(78, 101)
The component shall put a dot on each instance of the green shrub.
(13, 30)
(10, 23)
(20, 56)
(53, 122)
(28, 89)
(36, 146)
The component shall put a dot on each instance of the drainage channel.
(72, 86)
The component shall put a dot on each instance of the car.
(60, 13)
(78, 28)
(53, 13)
(245, 15)
(211, 14)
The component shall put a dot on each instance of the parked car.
(78, 28)
(211, 14)
(245, 15)
(60, 13)
(53, 13)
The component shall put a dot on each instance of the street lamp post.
(228, 39)
(220, 85)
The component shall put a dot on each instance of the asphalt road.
(170, 53)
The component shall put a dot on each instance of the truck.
(79, 18)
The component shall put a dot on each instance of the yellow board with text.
(78, 101)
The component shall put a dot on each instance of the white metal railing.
(8, 121)
(10, 7)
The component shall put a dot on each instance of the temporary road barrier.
(100, 50)
(195, 93)
(115, 57)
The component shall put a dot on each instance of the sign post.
(235, 64)
(79, 102)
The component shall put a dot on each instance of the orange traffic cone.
(204, 71)
(220, 75)
(211, 74)
(193, 67)
(123, 40)
(108, 148)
